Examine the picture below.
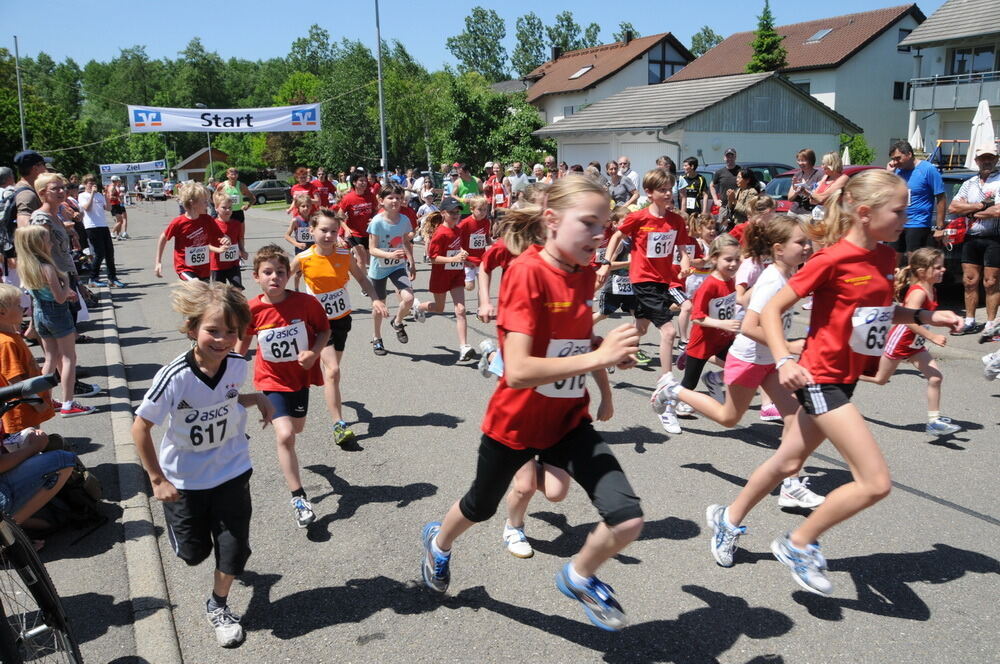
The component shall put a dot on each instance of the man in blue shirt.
(925, 212)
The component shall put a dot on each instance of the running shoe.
(682, 346)
(94, 283)
(725, 538)
(81, 389)
(808, 304)
(716, 387)
(434, 567)
(665, 392)
(991, 366)
(989, 331)
(941, 426)
(486, 347)
(341, 434)
(669, 421)
(597, 598)
(72, 409)
(400, 330)
(516, 542)
(378, 347)
(641, 359)
(683, 409)
(769, 413)
(795, 492)
(419, 314)
(117, 284)
(466, 353)
(124, 236)
(228, 631)
(304, 514)
(808, 567)
(969, 328)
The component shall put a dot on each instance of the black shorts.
(981, 251)
(230, 275)
(400, 279)
(289, 404)
(188, 275)
(238, 216)
(339, 327)
(220, 515)
(653, 301)
(581, 452)
(820, 398)
(117, 209)
(912, 239)
(608, 302)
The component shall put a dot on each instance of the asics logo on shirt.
(858, 281)
(556, 307)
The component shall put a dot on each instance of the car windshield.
(779, 186)
(256, 185)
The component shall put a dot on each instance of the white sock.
(575, 576)
(970, 321)
(725, 519)
(437, 550)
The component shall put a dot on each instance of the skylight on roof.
(581, 71)
(819, 35)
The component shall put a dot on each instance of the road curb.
(152, 616)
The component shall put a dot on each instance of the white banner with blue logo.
(137, 167)
(143, 119)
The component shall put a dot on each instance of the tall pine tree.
(768, 53)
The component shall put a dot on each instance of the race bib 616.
(574, 386)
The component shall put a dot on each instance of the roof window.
(819, 35)
(581, 71)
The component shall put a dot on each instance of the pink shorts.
(745, 374)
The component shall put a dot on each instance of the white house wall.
(822, 85)
(636, 73)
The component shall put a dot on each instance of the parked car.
(153, 191)
(270, 190)
(779, 186)
(765, 171)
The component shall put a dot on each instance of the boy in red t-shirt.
(291, 330)
(656, 281)
(359, 205)
(226, 266)
(476, 237)
(194, 233)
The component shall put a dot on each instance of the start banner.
(137, 167)
(144, 119)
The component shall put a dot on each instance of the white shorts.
(471, 272)
(693, 283)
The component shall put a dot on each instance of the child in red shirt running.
(291, 330)
(226, 266)
(195, 236)
(475, 230)
(540, 406)
(851, 282)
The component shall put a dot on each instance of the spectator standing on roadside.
(804, 182)
(620, 188)
(740, 199)
(925, 202)
(625, 170)
(95, 222)
(724, 180)
(495, 191)
(601, 177)
(517, 181)
(833, 180)
(465, 188)
(241, 197)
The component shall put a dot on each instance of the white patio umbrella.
(916, 140)
(846, 157)
(982, 133)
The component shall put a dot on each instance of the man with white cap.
(977, 201)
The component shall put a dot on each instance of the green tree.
(529, 51)
(704, 40)
(479, 47)
(624, 27)
(768, 53)
(312, 53)
(565, 33)
(858, 149)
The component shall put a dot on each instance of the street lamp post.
(208, 134)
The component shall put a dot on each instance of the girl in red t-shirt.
(915, 289)
(852, 312)
(540, 404)
(476, 237)
(226, 266)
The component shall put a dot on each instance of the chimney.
(556, 52)
(629, 36)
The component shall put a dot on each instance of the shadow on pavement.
(882, 581)
(638, 436)
(91, 614)
(571, 538)
(380, 425)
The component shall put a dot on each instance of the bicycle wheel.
(31, 604)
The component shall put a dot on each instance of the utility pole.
(20, 99)
(381, 101)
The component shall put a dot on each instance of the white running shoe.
(486, 346)
(419, 314)
(808, 567)
(668, 418)
(666, 390)
(795, 493)
(465, 353)
(716, 387)
(228, 631)
(516, 542)
(991, 366)
(684, 409)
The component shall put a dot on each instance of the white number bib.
(660, 245)
(195, 256)
(232, 253)
(574, 386)
(682, 249)
(205, 429)
(477, 241)
(919, 342)
(302, 234)
(235, 200)
(690, 203)
(336, 303)
(621, 285)
(389, 262)
(871, 326)
(283, 344)
(454, 266)
(498, 199)
(722, 308)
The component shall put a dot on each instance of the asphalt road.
(916, 577)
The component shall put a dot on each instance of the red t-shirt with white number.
(475, 237)
(846, 280)
(553, 307)
(715, 298)
(497, 256)
(494, 192)
(191, 239)
(284, 330)
(653, 240)
(359, 211)
(231, 257)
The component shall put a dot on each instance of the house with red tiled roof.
(571, 81)
(852, 63)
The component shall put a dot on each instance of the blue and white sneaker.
(304, 514)
(486, 346)
(665, 392)
(598, 599)
(808, 567)
(725, 538)
(435, 566)
(991, 366)
(941, 426)
(716, 387)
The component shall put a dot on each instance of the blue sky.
(267, 29)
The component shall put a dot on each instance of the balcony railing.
(954, 92)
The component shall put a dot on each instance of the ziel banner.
(144, 119)
(138, 167)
